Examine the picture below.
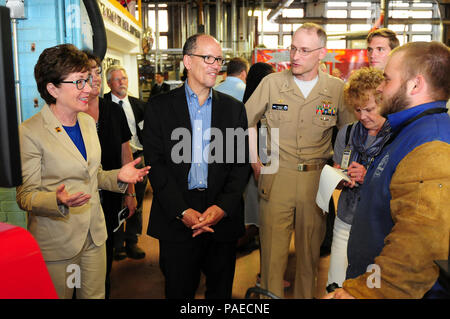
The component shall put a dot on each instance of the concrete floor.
(142, 279)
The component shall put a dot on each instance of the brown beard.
(396, 103)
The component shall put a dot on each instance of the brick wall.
(9, 211)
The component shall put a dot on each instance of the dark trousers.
(183, 262)
(133, 227)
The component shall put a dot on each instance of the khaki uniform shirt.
(305, 125)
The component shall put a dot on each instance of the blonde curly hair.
(360, 85)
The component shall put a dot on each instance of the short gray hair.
(113, 68)
(309, 26)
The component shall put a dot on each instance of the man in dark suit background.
(117, 81)
(160, 86)
(197, 208)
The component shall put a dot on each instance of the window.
(273, 32)
(360, 27)
(398, 4)
(268, 26)
(370, 11)
(287, 40)
(336, 13)
(421, 27)
(337, 4)
(398, 27)
(367, 10)
(426, 38)
(360, 14)
(334, 28)
(162, 20)
(360, 4)
(163, 42)
(292, 13)
(336, 44)
(270, 41)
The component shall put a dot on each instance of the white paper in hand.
(329, 179)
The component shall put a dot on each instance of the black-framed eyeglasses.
(302, 51)
(80, 83)
(209, 59)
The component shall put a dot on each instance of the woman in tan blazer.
(61, 171)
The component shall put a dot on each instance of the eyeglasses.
(80, 83)
(209, 59)
(303, 52)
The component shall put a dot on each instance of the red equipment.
(23, 274)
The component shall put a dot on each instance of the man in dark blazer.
(197, 208)
(117, 81)
(160, 86)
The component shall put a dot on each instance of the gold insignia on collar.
(57, 129)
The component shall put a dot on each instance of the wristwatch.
(131, 194)
(180, 217)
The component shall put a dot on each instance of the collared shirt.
(232, 86)
(200, 116)
(134, 142)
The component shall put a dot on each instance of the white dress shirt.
(134, 142)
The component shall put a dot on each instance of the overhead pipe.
(262, 23)
(219, 20)
(14, 23)
(207, 19)
(200, 19)
(244, 25)
(225, 25)
(273, 14)
(157, 57)
(441, 24)
(233, 27)
(183, 23)
(385, 10)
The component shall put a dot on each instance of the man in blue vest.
(402, 223)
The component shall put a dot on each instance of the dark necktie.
(121, 103)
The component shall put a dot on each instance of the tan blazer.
(50, 158)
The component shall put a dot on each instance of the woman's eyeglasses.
(80, 84)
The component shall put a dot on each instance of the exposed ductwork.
(273, 14)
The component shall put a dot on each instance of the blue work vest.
(373, 221)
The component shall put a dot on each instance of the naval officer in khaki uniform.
(304, 104)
